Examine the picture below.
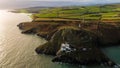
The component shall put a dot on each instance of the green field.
(105, 12)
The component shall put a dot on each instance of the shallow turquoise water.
(17, 50)
(113, 53)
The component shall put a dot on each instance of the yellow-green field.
(88, 13)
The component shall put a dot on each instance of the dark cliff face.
(109, 34)
(86, 53)
(75, 37)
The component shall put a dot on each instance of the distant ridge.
(26, 4)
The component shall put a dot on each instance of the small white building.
(79, 25)
(66, 47)
(63, 47)
(84, 49)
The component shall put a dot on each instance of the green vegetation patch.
(104, 12)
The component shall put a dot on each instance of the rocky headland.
(84, 39)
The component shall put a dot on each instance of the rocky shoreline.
(86, 38)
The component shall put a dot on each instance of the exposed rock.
(85, 39)
(91, 56)
(109, 34)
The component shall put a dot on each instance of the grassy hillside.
(88, 13)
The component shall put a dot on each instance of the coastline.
(53, 34)
(87, 38)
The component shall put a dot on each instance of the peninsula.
(76, 34)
